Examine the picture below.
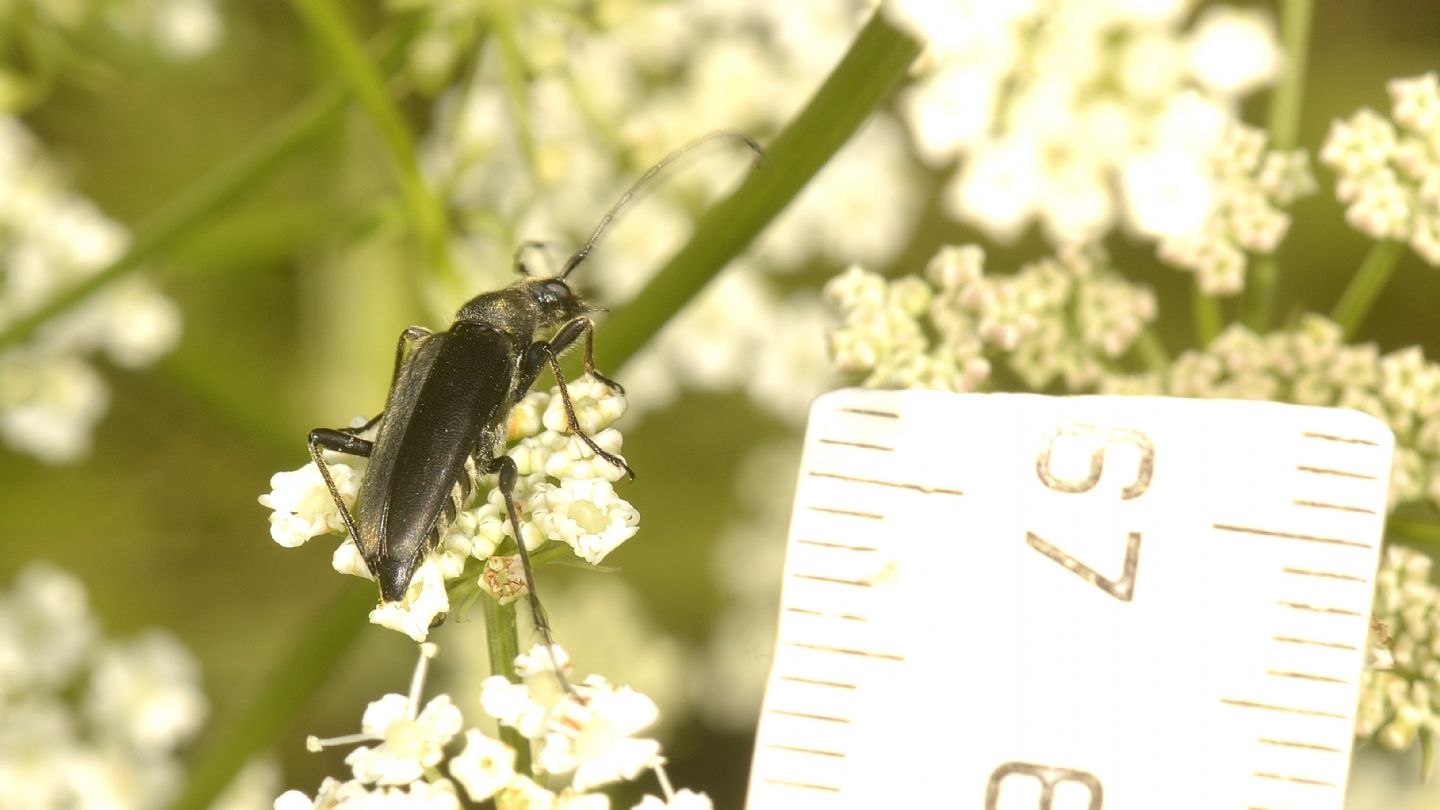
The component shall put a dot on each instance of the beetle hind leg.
(505, 466)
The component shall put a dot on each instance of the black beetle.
(447, 412)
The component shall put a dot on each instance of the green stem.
(315, 655)
(1151, 351)
(360, 72)
(194, 206)
(1366, 284)
(864, 79)
(502, 644)
(1208, 320)
(1284, 135)
(1414, 531)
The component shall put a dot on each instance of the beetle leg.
(339, 441)
(505, 466)
(567, 336)
(531, 244)
(345, 440)
(542, 352)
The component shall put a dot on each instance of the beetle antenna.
(583, 253)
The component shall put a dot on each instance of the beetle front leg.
(566, 337)
(541, 352)
(505, 467)
(340, 441)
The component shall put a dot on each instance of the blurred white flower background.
(216, 217)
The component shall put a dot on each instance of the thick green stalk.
(317, 651)
(196, 205)
(502, 645)
(1415, 532)
(1208, 320)
(1366, 284)
(364, 78)
(1151, 350)
(1284, 128)
(864, 79)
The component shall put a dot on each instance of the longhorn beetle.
(447, 412)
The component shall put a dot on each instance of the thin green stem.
(502, 645)
(1366, 284)
(314, 656)
(1151, 350)
(864, 79)
(360, 72)
(1208, 320)
(1284, 127)
(196, 205)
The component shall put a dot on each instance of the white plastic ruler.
(1018, 602)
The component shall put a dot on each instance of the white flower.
(147, 692)
(485, 765)
(425, 600)
(586, 515)
(682, 800)
(46, 630)
(593, 736)
(302, 504)
(596, 404)
(410, 742)
(1167, 193)
(1233, 51)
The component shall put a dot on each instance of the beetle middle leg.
(505, 467)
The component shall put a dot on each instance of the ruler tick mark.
(797, 749)
(871, 412)
(1314, 643)
(1271, 707)
(805, 785)
(858, 445)
(817, 682)
(1305, 572)
(1359, 510)
(1296, 744)
(842, 546)
(847, 512)
(1299, 780)
(1305, 468)
(825, 718)
(1334, 541)
(858, 583)
(847, 651)
(925, 488)
(1319, 609)
(822, 614)
(1305, 676)
(1330, 437)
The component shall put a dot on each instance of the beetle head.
(554, 300)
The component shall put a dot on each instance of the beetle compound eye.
(554, 291)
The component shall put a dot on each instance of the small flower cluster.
(1400, 695)
(1249, 186)
(1311, 365)
(564, 493)
(587, 730)
(1062, 111)
(50, 239)
(87, 721)
(1059, 319)
(1390, 168)
(177, 29)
